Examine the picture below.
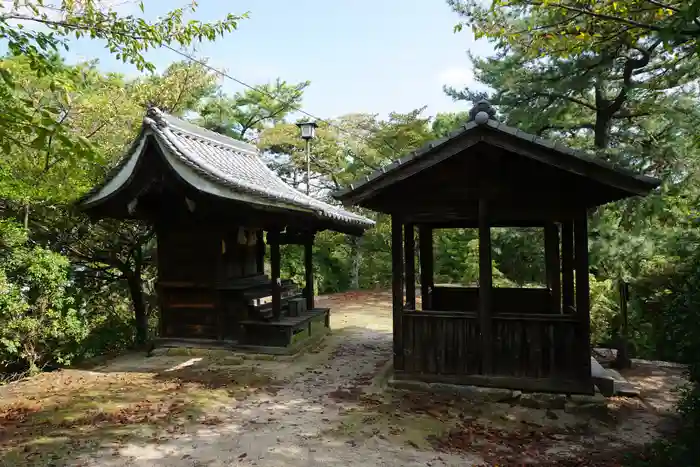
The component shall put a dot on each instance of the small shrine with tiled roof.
(215, 207)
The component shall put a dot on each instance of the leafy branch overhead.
(557, 26)
(38, 31)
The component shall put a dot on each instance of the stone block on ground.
(604, 383)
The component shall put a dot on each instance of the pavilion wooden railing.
(527, 349)
(444, 343)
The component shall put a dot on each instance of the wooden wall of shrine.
(195, 269)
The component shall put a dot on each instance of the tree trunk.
(355, 257)
(602, 127)
(134, 281)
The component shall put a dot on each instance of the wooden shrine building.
(211, 200)
(486, 175)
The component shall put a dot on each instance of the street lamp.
(308, 132)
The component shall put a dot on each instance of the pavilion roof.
(483, 127)
(218, 165)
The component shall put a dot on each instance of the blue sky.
(360, 55)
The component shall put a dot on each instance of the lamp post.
(308, 132)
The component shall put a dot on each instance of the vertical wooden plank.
(552, 266)
(567, 265)
(459, 344)
(260, 250)
(425, 246)
(582, 293)
(442, 341)
(409, 343)
(162, 250)
(273, 240)
(397, 289)
(309, 272)
(485, 287)
(410, 259)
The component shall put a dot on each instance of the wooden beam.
(504, 214)
(397, 289)
(276, 280)
(425, 247)
(485, 287)
(309, 274)
(408, 169)
(260, 250)
(552, 264)
(567, 265)
(582, 291)
(464, 223)
(410, 258)
(295, 238)
(555, 157)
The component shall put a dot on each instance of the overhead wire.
(288, 104)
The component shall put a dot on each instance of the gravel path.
(287, 429)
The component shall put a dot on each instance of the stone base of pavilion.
(608, 383)
(534, 399)
(288, 336)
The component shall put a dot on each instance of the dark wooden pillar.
(567, 265)
(274, 241)
(410, 258)
(582, 290)
(397, 289)
(309, 272)
(552, 267)
(425, 249)
(260, 250)
(485, 287)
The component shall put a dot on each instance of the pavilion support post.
(397, 289)
(582, 290)
(426, 257)
(410, 258)
(567, 265)
(552, 268)
(275, 274)
(260, 251)
(309, 272)
(485, 287)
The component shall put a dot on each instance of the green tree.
(630, 93)
(244, 115)
(555, 24)
(44, 180)
(127, 37)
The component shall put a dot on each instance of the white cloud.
(458, 76)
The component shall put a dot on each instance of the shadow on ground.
(46, 419)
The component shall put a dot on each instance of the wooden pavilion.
(486, 175)
(211, 200)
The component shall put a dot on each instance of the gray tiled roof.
(234, 165)
(498, 127)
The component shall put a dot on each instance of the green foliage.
(246, 114)
(38, 318)
(604, 308)
(619, 77)
(556, 27)
(43, 125)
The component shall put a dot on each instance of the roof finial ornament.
(155, 114)
(482, 112)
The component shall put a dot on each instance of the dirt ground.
(327, 407)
